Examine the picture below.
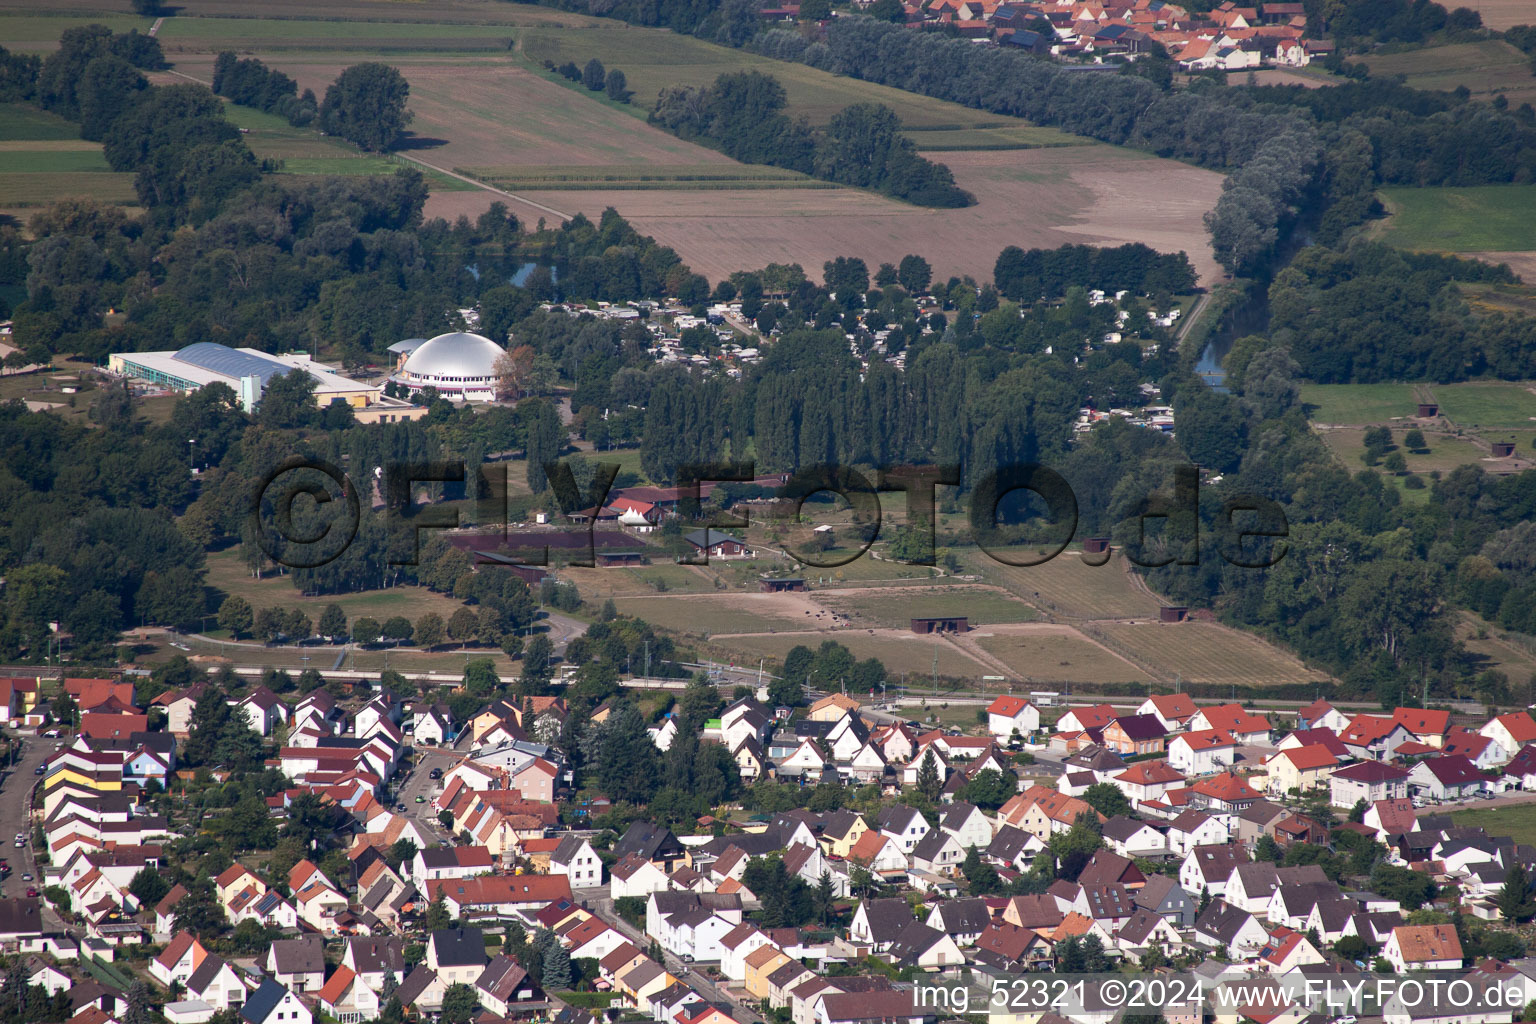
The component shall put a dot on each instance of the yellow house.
(761, 963)
(840, 845)
(832, 707)
(1300, 768)
(102, 782)
(644, 980)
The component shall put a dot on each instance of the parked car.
(41, 769)
(435, 773)
(26, 878)
(32, 891)
(420, 799)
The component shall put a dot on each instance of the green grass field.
(1518, 821)
(23, 121)
(1484, 218)
(1491, 406)
(653, 59)
(52, 161)
(1016, 136)
(1358, 403)
(227, 574)
(896, 609)
(690, 177)
(282, 34)
(43, 189)
(39, 33)
(910, 654)
(1445, 453)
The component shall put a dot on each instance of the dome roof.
(455, 355)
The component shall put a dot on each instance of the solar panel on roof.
(210, 355)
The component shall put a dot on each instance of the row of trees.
(743, 114)
(596, 78)
(251, 83)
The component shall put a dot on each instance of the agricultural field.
(1502, 14)
(194, 34)
(1358, 403)
(983, 605)
(43, 159)
(31, 32)
(1062, 656)
(653, 59)
(903, 653)
(1014, 136)
(1487, 68)
(1499, 652)
(1203, 652)
(1065, 587)
(504, 120)
(1484, 218)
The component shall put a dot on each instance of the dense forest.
(743, 114)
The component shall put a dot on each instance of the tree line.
(742, 113)
(365, 105)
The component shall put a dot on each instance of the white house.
(1424, 947)
(1510, 732)
(1008, 715)
(271, 1003)
(1201, 753)
(576, 859)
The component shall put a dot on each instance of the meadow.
(1487, 68)
(1445, 451)
(1487, 406)
(1518, 821)
(228, 576)
(1358, 403)
(902, 654)
(1481, 218)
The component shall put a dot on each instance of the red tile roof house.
(1511, 732)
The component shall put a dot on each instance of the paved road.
(16, 813)
(420, 783)
(598, 901)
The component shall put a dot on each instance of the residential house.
(1451, 777)
(1247, 729)
(1166, 898)
(1174, 710)
(1194, 828)
(1300, 769)
(1375, 737)
(877, 922)
(905, 826)
(176, 962)
(1148, 781)
(576, 859)
(271, 1003)
(1369, 781)
(1236, 932)
(1208, 868)
(1510, 732)
(1424, 725)
(299, 964)
(347, 999)
(1008, 715)
(1322, 715)
(1425, 947)
(1135, 735)
(504, 984)
(1201, 752)
(456, 954)
(938, 853)
(1081, 719)
(1132, 838)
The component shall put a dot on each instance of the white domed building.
(461, 366)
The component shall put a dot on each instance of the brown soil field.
(1522, 263)
(1067, 587)
(1035, 197)
(901, 651)
(1502, 14)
